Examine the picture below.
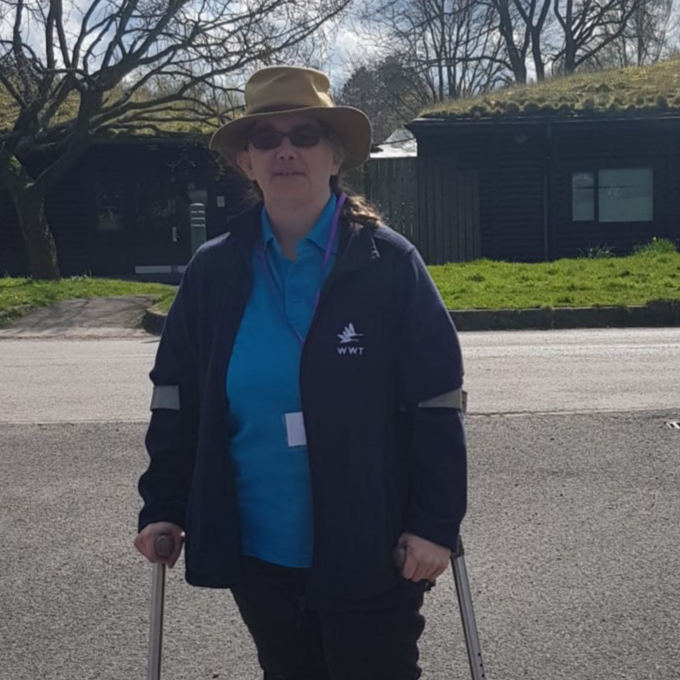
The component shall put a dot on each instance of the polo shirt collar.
(319, 233)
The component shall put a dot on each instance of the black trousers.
(375, 639)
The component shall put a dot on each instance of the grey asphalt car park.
(572, 534)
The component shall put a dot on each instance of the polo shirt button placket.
(294, 310)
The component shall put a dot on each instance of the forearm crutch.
(467, 613)
(163, 546)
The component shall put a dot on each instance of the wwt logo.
(351, 350)
(348, 336)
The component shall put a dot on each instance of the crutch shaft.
(164, 547)
(467, 615)
(156, 627)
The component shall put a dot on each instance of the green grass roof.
(653, 89)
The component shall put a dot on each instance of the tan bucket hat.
(278, 90)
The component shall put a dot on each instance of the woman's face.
(290, 168)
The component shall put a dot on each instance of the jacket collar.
(357, 247)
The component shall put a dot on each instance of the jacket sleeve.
(430, 379)
(173, 429)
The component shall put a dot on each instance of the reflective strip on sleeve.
(165, 397)
(455, 399)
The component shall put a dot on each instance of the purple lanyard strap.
(272, 282)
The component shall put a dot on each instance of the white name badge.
(295, 429)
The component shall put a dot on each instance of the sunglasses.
(302, 137)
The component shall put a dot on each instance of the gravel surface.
(571, 545)
(571, 537)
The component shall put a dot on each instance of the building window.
(613, 195)
(583, 196)
(110, 208)
(161, 216)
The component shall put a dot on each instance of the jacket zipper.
(325, 291)
(336, 273)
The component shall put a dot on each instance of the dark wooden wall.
(12, 254)
(481, 195)
(512, 189)
(68, 209)
(140, 171)
(229, 194)
(614, 145)
(391, 185)
(69, 212)
(503, 191)
(447, 227)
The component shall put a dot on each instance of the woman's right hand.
(145, 541)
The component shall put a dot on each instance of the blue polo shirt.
(263, 385)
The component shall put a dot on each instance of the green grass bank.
(20, 295)
(583, 282)
(651, 275)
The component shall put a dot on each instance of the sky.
(346, 45)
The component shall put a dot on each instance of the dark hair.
(357, 208)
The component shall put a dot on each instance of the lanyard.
(272, 282)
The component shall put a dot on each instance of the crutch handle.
(164, 546)
(399, 557)
(467, 613)
(399, 554)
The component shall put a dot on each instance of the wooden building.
(389, 180)
(552, 170)
(123, 209)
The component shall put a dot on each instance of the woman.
(306, 418)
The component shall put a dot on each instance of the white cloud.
(349, 47)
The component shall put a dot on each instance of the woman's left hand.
(425, 560)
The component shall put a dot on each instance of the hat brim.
(350, 125)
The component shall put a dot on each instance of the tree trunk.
(40, 246)
(569, 54)
(41, 250)
(569, 40)
(507, 31)
(539, 66)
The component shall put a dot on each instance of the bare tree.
(389, 91)
(452, 44)
(521, 24)
(71, 69)
(588, 28)
(649, 31)
(585, 34)
(647, 37)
